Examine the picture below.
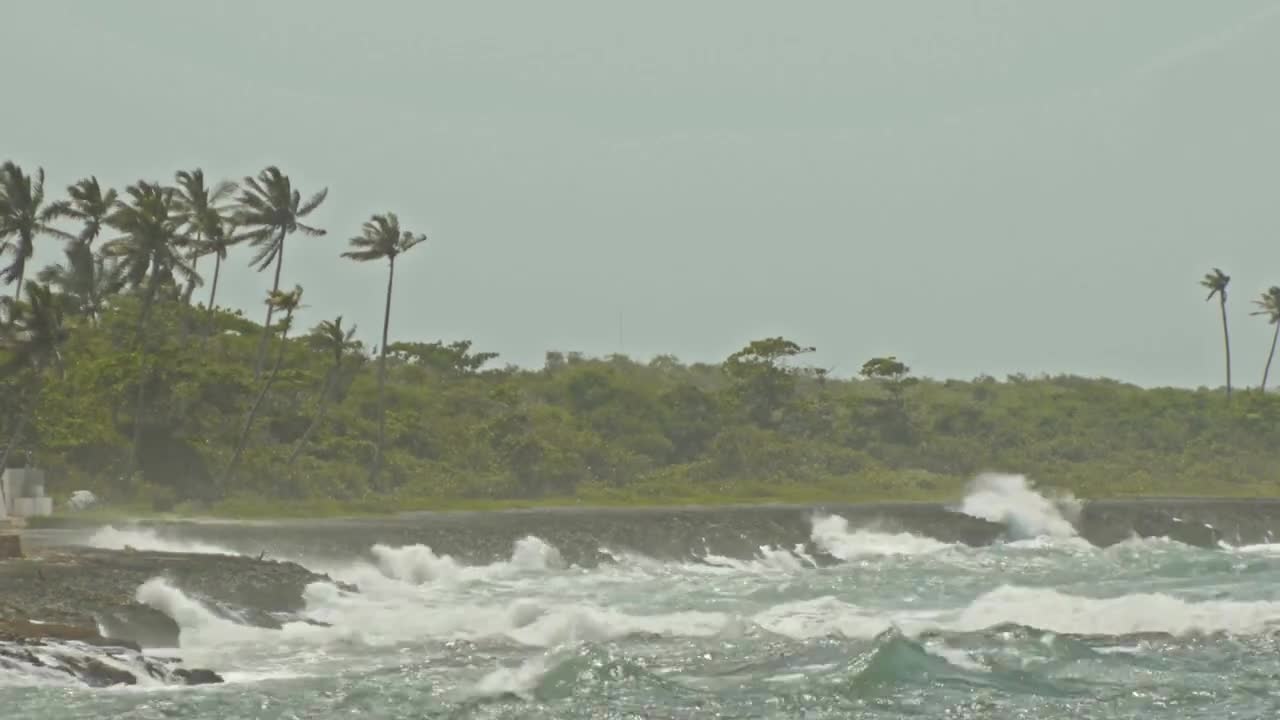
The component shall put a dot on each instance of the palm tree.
(327, 337)
(1269, 305)
(88, 205)
(202, 210)
(32, 341)
(217, 242)
(288, 303)
(150, 249)
(86, 281)
(272, 209)
(381, 237)
(22, 218)
(1216, 283)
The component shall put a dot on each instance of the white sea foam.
(832, 534)
(1049, 609)
(418, 564)
(1011, 500)
(1041, 608)
(112, 538)
(532, 599)
(519, 681)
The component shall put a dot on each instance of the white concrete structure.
(24, 493)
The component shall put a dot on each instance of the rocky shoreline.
(73, 611)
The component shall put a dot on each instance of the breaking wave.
(112, 538)
(832, 534)
(1012, 501)
(534, 600)
(418, 564)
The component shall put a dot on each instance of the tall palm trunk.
(243, 441)
(143, 316)
(22, 265)
(382, 377)
(321, 409)
(1226, 339)
(1270, 356)
(266, 328)
(195, 269)
(213, 295)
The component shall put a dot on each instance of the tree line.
(116, 377)
(160, 232)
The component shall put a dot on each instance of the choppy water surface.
(856, 623)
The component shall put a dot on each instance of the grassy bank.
(251, 507)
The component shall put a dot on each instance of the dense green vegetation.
(117, 378)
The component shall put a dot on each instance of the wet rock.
(1194, 521)
(25, 631)
(10, 546)
(87, 587)
(94, 665)
(197, 677)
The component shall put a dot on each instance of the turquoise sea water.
(876, 625)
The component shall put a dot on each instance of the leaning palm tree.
(202, 209)
(31, 342)
(85, 281)
(1269, 305)
(288, 303)
(330, 338)
(88, 205)
(1216, 283)
(217, 242)
(23, 217)
(150, 248)
(270, 209)
(381, 237)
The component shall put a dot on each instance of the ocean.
(855, 619)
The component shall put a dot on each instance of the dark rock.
(197, 677)
(10, 546)
(95, 665)
(95, 673)
(87, 587)
(25, 631)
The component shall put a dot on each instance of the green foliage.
(455, 358)
(887, 368)
(121, 386)
(604, 430)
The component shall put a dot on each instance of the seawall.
(691, 532)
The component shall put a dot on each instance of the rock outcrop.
(74, 613)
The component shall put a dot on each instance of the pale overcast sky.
(977, 186)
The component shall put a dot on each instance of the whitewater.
(857, 621)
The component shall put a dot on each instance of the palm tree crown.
(200, 204)
(22, 217)
(286, 302)
(329, 337)
(272, 209)
(86, 280)
(34, 337)
(151, 239)
(88, 205)
(381, 237)
(1216, 283)
(1269, 305)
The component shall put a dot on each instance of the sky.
(974, 186)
